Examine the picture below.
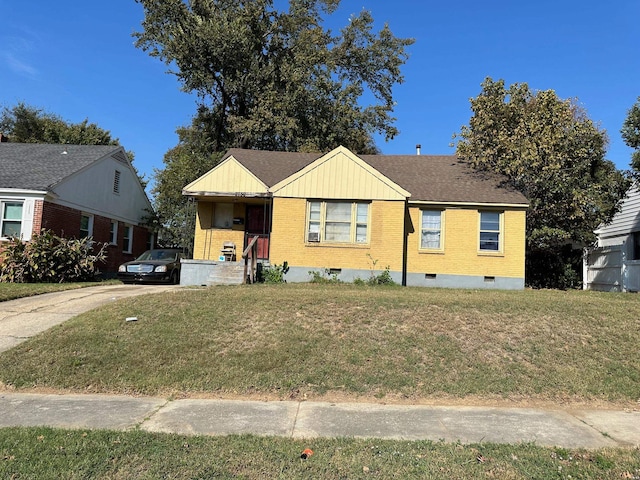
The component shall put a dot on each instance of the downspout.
(405, 242)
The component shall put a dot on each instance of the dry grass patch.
(327, 341)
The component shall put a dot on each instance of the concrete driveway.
(25, 317)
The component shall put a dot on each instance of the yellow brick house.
(431, 220)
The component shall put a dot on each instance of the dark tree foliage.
(267, 78)
(278, 80)
(631, 136)
(549, 150)
(26, 124)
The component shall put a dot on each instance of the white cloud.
(15, 49)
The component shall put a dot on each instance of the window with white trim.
(86, 225)
(337, 222)
(490, 231)
(431, 229)
(11, 219)
(113, 232)
(127, 239)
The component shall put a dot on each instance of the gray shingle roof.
(36, 166)
(429, 178)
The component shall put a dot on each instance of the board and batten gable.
(339, 174)
(229, 177)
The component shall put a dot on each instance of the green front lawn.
(345, 342)
(51, 453)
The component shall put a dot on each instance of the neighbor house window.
(127, 239)
(113, 232)
(635, 251)
(490, 231)
(431, 229)
(86, 226)
(337, 222)
(11, 219)
(116, 181)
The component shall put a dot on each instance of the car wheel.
(174, 278)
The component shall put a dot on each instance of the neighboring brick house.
(430, 218)
(75, 191)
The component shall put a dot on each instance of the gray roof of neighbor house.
(429, 178)
(38, 166)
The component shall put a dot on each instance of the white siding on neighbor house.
(92, 191)
(627, 220)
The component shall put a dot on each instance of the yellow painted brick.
(288, 238)
(461, 255)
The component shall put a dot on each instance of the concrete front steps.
(226, 273)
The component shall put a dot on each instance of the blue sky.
(77, 59)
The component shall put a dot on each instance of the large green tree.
(275, 79)
(631, 136)
(27, 124)
(268, 78)
(548, 149)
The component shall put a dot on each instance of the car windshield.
(158, 255)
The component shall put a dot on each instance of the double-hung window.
(113, 232)
(10, 219)
(337, 222)
(490, 231)
(431, 230)
(86, 225)
(127, 239)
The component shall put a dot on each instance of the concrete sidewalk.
(23, 318)
(565, 428)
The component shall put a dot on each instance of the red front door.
(259, 223)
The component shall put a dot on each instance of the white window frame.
(499, 231)
(3, 220)
(89, 229)
(439, 230)
(317, 222)
(113, 232)
(127, 239)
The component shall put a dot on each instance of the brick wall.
(385, 235)
(461, 255)
(65, 222)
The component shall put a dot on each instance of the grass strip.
(11, 291)
(78, 454)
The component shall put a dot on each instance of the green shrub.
(47, 258)
(275, 273)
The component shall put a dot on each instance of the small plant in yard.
(383, 278)
(324, 276)
(47, 258)
(275, 273)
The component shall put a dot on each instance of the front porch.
(226, 225)
(224, 271)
